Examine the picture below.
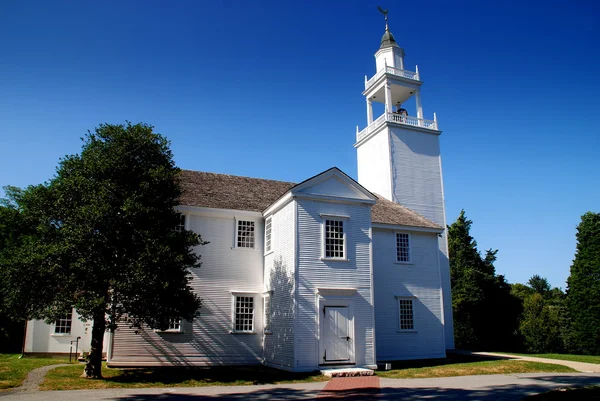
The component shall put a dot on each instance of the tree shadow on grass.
(225, 375)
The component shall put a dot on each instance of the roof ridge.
(237, 176)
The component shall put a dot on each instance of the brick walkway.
(351, 388)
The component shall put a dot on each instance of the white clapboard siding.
(314, 273)
(420, 279)
(374, 170)
(208, 339)
(279, 281)
(417, 184)
(41, 337)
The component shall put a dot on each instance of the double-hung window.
(268, 235)
(406, 317)
(180, 227)
(403, 247)
(174, 325)
(63, 325)
(244, 306)
(334, 238)
(268, 312)
(245, 234)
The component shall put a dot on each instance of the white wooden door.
(336, 334)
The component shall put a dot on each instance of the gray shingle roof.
(388, 212)
(223, 191)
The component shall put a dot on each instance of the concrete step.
(347, 372)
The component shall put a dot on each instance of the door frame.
(333, 301)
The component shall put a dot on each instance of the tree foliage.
(100, 238)
(583, 288)
(485, 311)
(542, 323)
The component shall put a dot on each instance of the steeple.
(398, 152)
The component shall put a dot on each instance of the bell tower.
(398, 152)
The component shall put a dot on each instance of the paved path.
(350, 388)
(579, 366)
(469, 388)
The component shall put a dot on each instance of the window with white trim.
(245, 234)
(174, 325)
(180, 227)
(63, 325)
(268, 235)
(402, 247)
(334, 239)
(268, 312)
(406, 314)
(243, 313)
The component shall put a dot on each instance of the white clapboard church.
(330, 271)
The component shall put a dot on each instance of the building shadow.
(513, 392)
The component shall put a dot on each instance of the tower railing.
(398, 119)
(393, 71)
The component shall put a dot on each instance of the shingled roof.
(223, 191)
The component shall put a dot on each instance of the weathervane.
(385, 13)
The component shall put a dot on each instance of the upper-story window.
(334, 238)
(180, 227)
(63, 325)
(402, 247)
(245, 234)
(268, 235)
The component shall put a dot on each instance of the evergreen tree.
(583, 288)
(485, 311)
(101, 239)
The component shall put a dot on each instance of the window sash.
(268, 312)
(174, 325)
(243, 317)
(245, 234)
(334, 239)
(180, 227)
(63, 325)
(402, 247)
(406, 314)
(268, 235)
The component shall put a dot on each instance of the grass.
(14, 370)
(464, 365)
(564, 357)
(591, 393)
(68, 377)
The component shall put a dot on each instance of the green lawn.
(14, 370)
(68, 377)
(580, 394)
(465, 365)
(564, 357)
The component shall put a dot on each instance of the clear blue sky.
(273, 89)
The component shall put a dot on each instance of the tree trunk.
(93, 364)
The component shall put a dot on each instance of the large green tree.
(542, 322)
(485, 312)
(11, 230)
(583, 288)
(102, 239)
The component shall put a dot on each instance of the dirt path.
(34, 379)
